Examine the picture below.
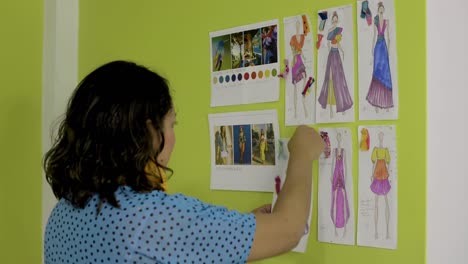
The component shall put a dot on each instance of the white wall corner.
(60, 76)
(447, 132)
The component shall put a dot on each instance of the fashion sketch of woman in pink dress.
(339, 211)
(380, 90)
(335, 90)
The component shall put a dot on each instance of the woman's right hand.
(306, 143)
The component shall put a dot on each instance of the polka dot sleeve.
(182, 229)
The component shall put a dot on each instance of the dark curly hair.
(103, 141)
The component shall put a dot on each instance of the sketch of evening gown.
(339, 205)
(380, 90)
(335, 90)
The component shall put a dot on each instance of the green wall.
(21, 28)
(171, 37)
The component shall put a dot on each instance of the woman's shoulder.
(127, 194)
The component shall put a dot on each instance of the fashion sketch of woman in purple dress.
(339, 211)
(380, 90)
(335, 90)
(299, 73)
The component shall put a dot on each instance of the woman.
(242, 140)
(335, 89)
(107, 169)
(263, 145)
(222, 146)
(380, 90)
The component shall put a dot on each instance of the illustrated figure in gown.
(335, 89)
(380, 93)
(339, 201)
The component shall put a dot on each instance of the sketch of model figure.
(339, 201)
(298, 68)
(335, 89)
(380, 183)
(380, 90)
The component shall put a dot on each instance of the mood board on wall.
(245, 68)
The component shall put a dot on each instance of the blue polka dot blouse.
(148, 228)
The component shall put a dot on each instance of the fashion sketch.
(299, 74)
(378, 183)
(380, 90)
(336, 191)
(335, 90)
(378, 80)
(335, 66)
(300, 92)
(339, 210)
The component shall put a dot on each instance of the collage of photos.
(244, 49)
(244, 150)
(244, 64)
(249, 144)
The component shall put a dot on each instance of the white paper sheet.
(378, 185)
(299, 76)
(244, 64)
(283, 158)
(336, 188)
(378, 82)
(335, 66)
(244, 161)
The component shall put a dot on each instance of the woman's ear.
(155, 137)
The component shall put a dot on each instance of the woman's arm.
(280, 231)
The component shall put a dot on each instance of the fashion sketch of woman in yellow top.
(380, 185)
